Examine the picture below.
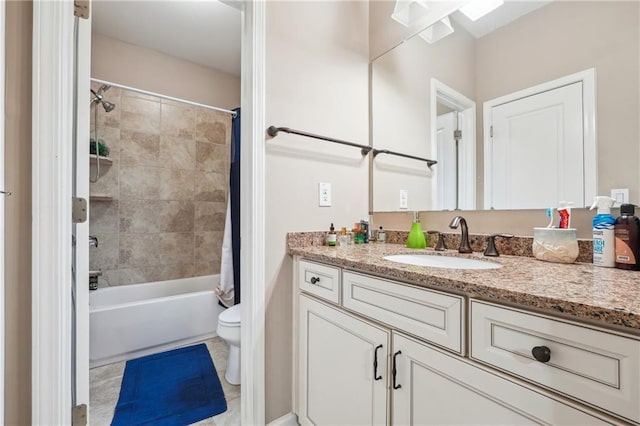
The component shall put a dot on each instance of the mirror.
(510, 52)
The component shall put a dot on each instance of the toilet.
(229, 330)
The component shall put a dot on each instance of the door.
(342, 368)
(3, 193)
(435, 388)
(447, 168)
(536, 150)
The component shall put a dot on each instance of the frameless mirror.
(507, 106)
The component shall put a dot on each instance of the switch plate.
(404, 199)
(324, 194)
(621, 196)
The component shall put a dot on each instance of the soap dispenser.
(416, 237)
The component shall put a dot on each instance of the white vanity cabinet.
(389, 353)
(343, 367)
(435, 388)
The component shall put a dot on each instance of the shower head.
(108, 106)
(98, 98)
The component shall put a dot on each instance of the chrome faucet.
(464, 238)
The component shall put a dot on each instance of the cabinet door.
(336, 368)
(437, 389)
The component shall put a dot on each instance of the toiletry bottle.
(416, 235)
(604, 253)
(627, 238)
(331, 236)
(364, 226)
(382, 236)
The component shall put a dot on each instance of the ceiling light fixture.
(407, 12)
(478, 8)
(437, 31)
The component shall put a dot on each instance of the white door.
(435, 388)
(337, 353)
(447, 167)
(536, 151)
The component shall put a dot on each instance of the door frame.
(52, 228)
(2, 188)
(589, 107)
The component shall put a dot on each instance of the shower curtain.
(228, 289)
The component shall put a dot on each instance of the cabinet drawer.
(433, 316)
(597, 367)
(320, 280)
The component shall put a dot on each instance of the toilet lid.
(231, 315)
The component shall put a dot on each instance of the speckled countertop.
(604, 296)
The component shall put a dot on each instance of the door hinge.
(457, 134)
(79, 210)
(81, 8)
(79, 415)
(491, 131)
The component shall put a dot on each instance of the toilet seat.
(231, 317)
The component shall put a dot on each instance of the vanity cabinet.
(392, 353)
(343, 367)
(436, 388)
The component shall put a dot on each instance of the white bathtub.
(135, 320)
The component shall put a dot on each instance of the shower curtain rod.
(170, 98)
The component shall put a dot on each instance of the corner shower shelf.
(93, 159)
(100, 197)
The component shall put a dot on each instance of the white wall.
(316, 81)
(141, 68)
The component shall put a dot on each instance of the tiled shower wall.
(168, 186)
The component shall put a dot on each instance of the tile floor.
(105, 388)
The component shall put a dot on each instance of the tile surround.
(169, 183)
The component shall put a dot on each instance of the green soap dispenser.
(416, 237)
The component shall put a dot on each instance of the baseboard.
(288, 419)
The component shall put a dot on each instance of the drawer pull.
(395, 371)
(315, 280)
(375, 364)
(541, 353)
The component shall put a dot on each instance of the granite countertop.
(607, 297)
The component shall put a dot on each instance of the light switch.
(404, 199)
(621, 196)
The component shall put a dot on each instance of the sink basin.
(435, 261)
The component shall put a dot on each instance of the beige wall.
(169, 183)
(401, 110)
(141, 68)
(18, 214)
(317, 81)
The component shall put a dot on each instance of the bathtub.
(130, 321)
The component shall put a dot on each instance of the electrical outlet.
(621, 196)
(324, 194)
(404, 199)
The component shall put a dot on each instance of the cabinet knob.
(315, 280)
(541, 353)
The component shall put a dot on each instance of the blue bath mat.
(177, 387)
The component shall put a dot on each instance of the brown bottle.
(627, 239)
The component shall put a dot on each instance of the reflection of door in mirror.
(536, 147)
(453, 118)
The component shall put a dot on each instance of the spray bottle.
(604, 253)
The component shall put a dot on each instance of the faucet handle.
(491, 244)
(440, 245)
